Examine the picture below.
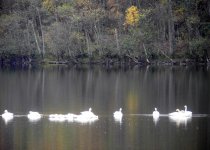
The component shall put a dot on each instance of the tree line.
(104, 30)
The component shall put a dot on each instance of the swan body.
(85, 119)
(86, 116)
(118, 114)
(87, 113)
(181, 114)
(70, 117)
(34, 115)
(7, 115)
(155, 113)
(187, 113)
(57, 117)
(176, 113)
(53, 115)
(61, 117)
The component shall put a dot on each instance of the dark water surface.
(61, 89)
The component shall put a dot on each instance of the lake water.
(62, 89)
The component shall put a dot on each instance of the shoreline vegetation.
(105, 60)
(108, 32)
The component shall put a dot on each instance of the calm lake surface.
(62, 89)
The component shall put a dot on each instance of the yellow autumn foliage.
(49, 5)
(132, 16)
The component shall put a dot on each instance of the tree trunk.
(170, 28)
(43, 45)
(146, 54)
(117, 40)
(87, 42)
(97, 37)
(35, 36)
(28, 38)
(209, 8)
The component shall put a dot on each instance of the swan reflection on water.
(119, 120)
(180, 121)
(155, 120)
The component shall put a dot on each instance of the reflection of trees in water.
(62, 89)
(137, 90)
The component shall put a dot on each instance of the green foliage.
(72, 27)
(12, 42)
(49, 5)
(192, 20)
(131, 42)
(65, 10)
(163, 2)
(179, 14)
(199, 46)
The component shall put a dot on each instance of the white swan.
(86, 117)
(187, 113)
(88, 114)
(70, 117)
(34, 115)
(7, 115)
(176, 113)
(181, 114)
(61, 117)
(118, 114)
(155, 113)
(57, 117)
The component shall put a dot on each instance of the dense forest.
(106, 31)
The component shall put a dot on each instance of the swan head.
(5, 111)
(90, 109)
(120, 109)
(155, 109)
(177, 110)
(185, 107)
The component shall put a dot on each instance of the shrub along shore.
(14, 60)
